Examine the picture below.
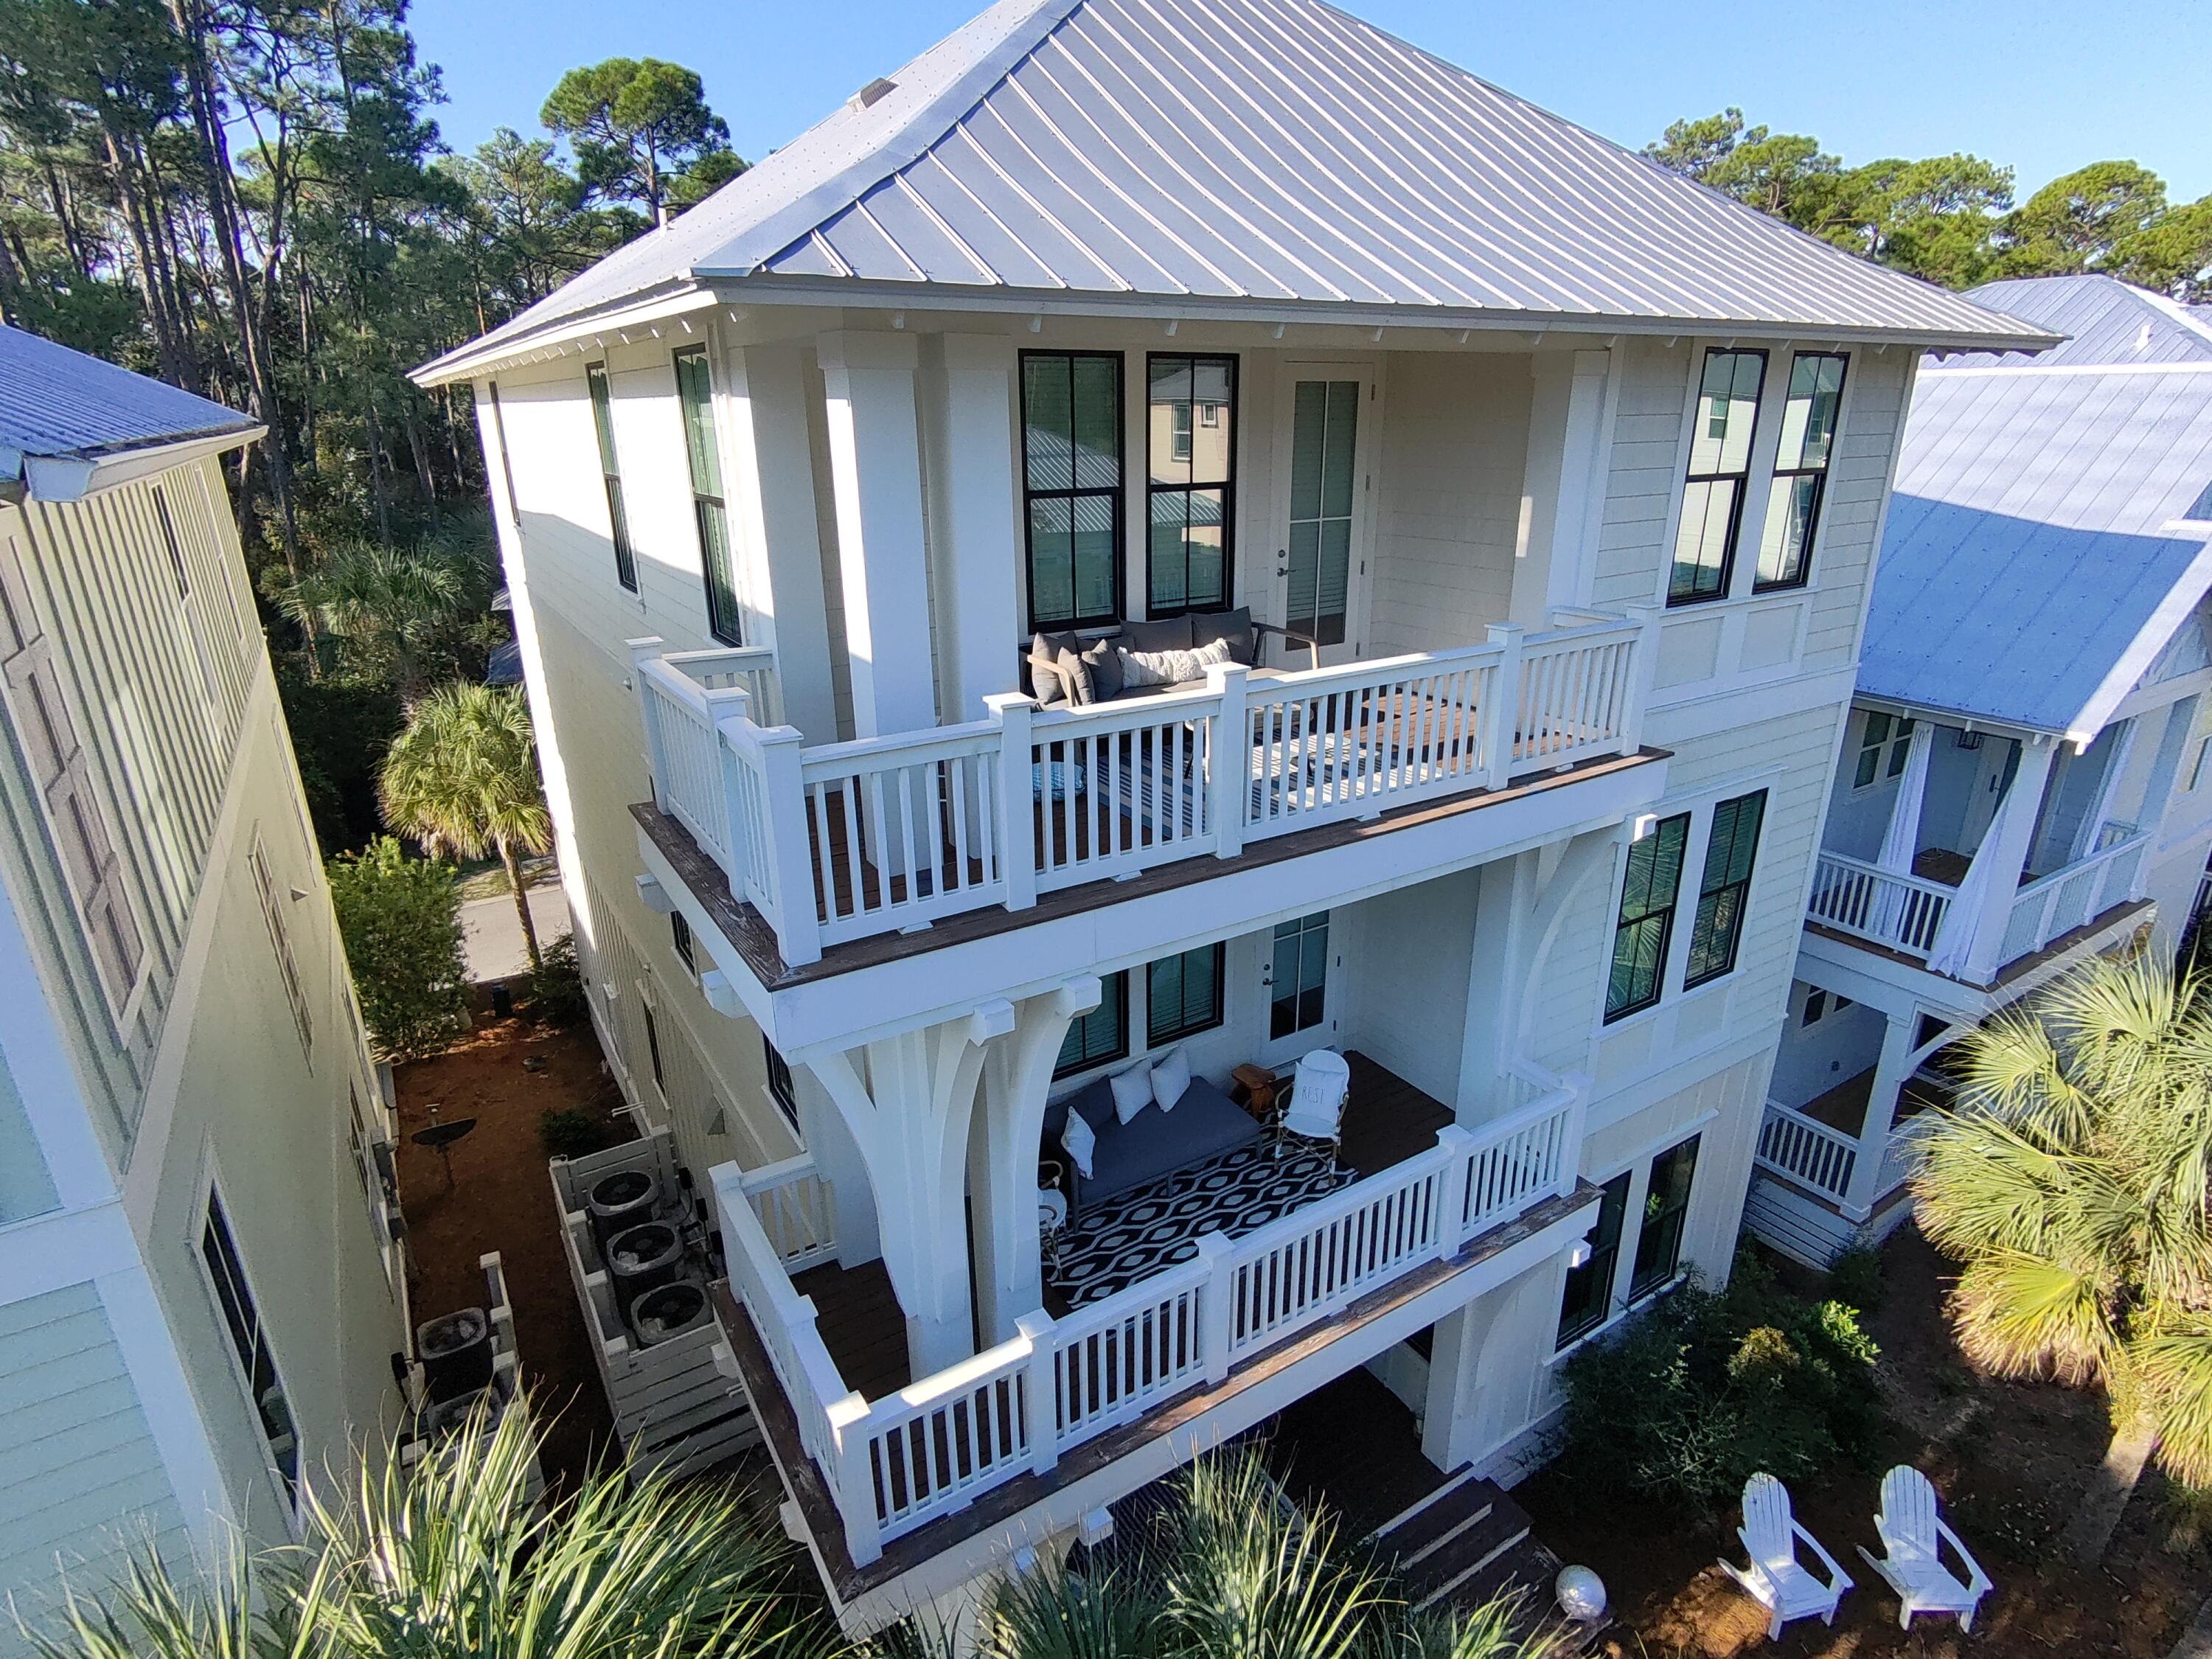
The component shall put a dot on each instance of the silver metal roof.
(2107, 322)
(1251, 152)
(57, 403)
(2037, 558)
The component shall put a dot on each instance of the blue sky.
(2042, 85)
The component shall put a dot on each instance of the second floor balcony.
(837, 842)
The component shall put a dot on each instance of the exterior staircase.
(1466, 1541)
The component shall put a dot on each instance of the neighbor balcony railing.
(841, 840)
(1905, 913)
(2073, 895)
(895, 1464)
(1824, 1159)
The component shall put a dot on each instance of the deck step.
(1490, 1524)
(1437, 1522)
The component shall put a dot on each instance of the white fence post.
(1017, 787)
(1578, 1086)
(1458, 1147)
(854, 1480)
(1228, 758)
(788, 860)
(1213, 1306)
(1501, 721)
(1040, 1391)
(642, 652)
(1644, 674)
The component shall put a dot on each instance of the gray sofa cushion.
(1045, 682)
(1102, 661)
(1234, 626)
(1204, 1124)
(1169, 634)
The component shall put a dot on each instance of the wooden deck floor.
(1386, 1121)
(1843, 1108)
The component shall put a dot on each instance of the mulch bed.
(2010, 1459)
(501, 1199)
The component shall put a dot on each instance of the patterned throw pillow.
(1140, 668)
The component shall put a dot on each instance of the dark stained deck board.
(1843, 1108)
(819, 1512)
(2011, 970)
(1352, 1448)
(755, 939)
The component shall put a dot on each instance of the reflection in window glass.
(1719, 458)
(1729, 852)
(241, 1318)
(1191, 442)
(1647, 917)
(1588, 1295)
(1666, 1207)
(1300, 999)
(1324, 439)
(1801, 468)
(1072, 486)
(694, 394)
(1100, 1035)
(1183, 994)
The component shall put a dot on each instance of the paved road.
(491, 935)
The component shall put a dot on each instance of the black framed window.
(1646, 923)
(1183, 994)
(242, 1317)
(1100, 1035)
(169, 540)
(1801, 469)
(1881, 734)
(679, 933)
(1299, 998)
(1666, 1207)
(1730, 851)
(1588, 1295)
(602, 422)
(1072, 486)
(653, 1047)
(1190, 427)
(780, 1086)
(695, 395)
(1720, 463)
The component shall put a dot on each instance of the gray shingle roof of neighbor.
(56, 403)
(2044, 544)
(1246, 154)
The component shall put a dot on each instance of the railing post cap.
(1214, 1244)
(1036, 1325)
(999, 702)
(853, 1408)
(1454, 1135)
(1500, 632)
(646, 645)
(1220, 673)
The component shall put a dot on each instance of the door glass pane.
(1324, 442)
(1300, 1000)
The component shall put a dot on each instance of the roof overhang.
(72, 476)
(706, 289)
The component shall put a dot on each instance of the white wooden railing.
(839, 842)
(898, 1463)
(2071, 896)
(1807, 1151)
(1903, 912)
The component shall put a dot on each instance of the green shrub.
(401, 921)
(1855, 1278)
(565, 1132)
(1688, 1400)
(557, 985)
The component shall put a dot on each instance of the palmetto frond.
(1982, 1185)
(2026, 1315)
(2011, 1069)
(463, 777)
(2171, 1378)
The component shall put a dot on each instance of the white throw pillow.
(1133, 1090)
(1142, 668)
(1080, 1140)
(1170, 1077)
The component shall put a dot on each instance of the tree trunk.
(2096, 1517)
(521, 904)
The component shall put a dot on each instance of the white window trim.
(292, 1506)
(1632, 1233)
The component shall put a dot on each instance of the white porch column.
(777, 538)
(1563, 484)
(909, 1112)
(1890, 1072)
(1971, 943)
(1002, 1151)
(974, 507)
(1487, 1365)
(875, 462)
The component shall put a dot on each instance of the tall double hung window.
(602, 422)
(1190, 427)
(1071, 487)
(1720, 465)
(1646, 922)
(1801, 469)
(695, 396)
(1730, 851)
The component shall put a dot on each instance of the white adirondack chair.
(1777, 1579)
(1912, 1535)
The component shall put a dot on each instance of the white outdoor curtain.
(2092, 830)
(1902, 838)
(1955, 939)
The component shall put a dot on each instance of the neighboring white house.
(1573, 473)
(2025, 780)
(200, 1295)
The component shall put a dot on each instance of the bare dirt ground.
(501, 1199)
(2008, 1459)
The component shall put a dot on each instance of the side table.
(1252, 1086)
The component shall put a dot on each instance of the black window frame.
(1156, 1036)
(687, 946)
(653, 1047)
(1086, 1058)
(1226, 484)
(1722, 894)
(239, 1312)
(600, 389)
(1601, 1270)
(1896, 738)
(1649, 912)
(1741, 480)
(781, 1089)
(1115, 496)
(1305, 928)
(1647, 1276)
(710, 508)
(1761, 583)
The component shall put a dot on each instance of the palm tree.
(462, 778)
(458, 1557)
(387, 606)
(2069, 1182)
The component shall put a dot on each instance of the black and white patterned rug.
(1120, 1241)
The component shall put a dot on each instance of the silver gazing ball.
(1581, 1593)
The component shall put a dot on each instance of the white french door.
(1300, 978)
(1321, 554)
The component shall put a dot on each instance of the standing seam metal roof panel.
(57, 402)
(1275, 151)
